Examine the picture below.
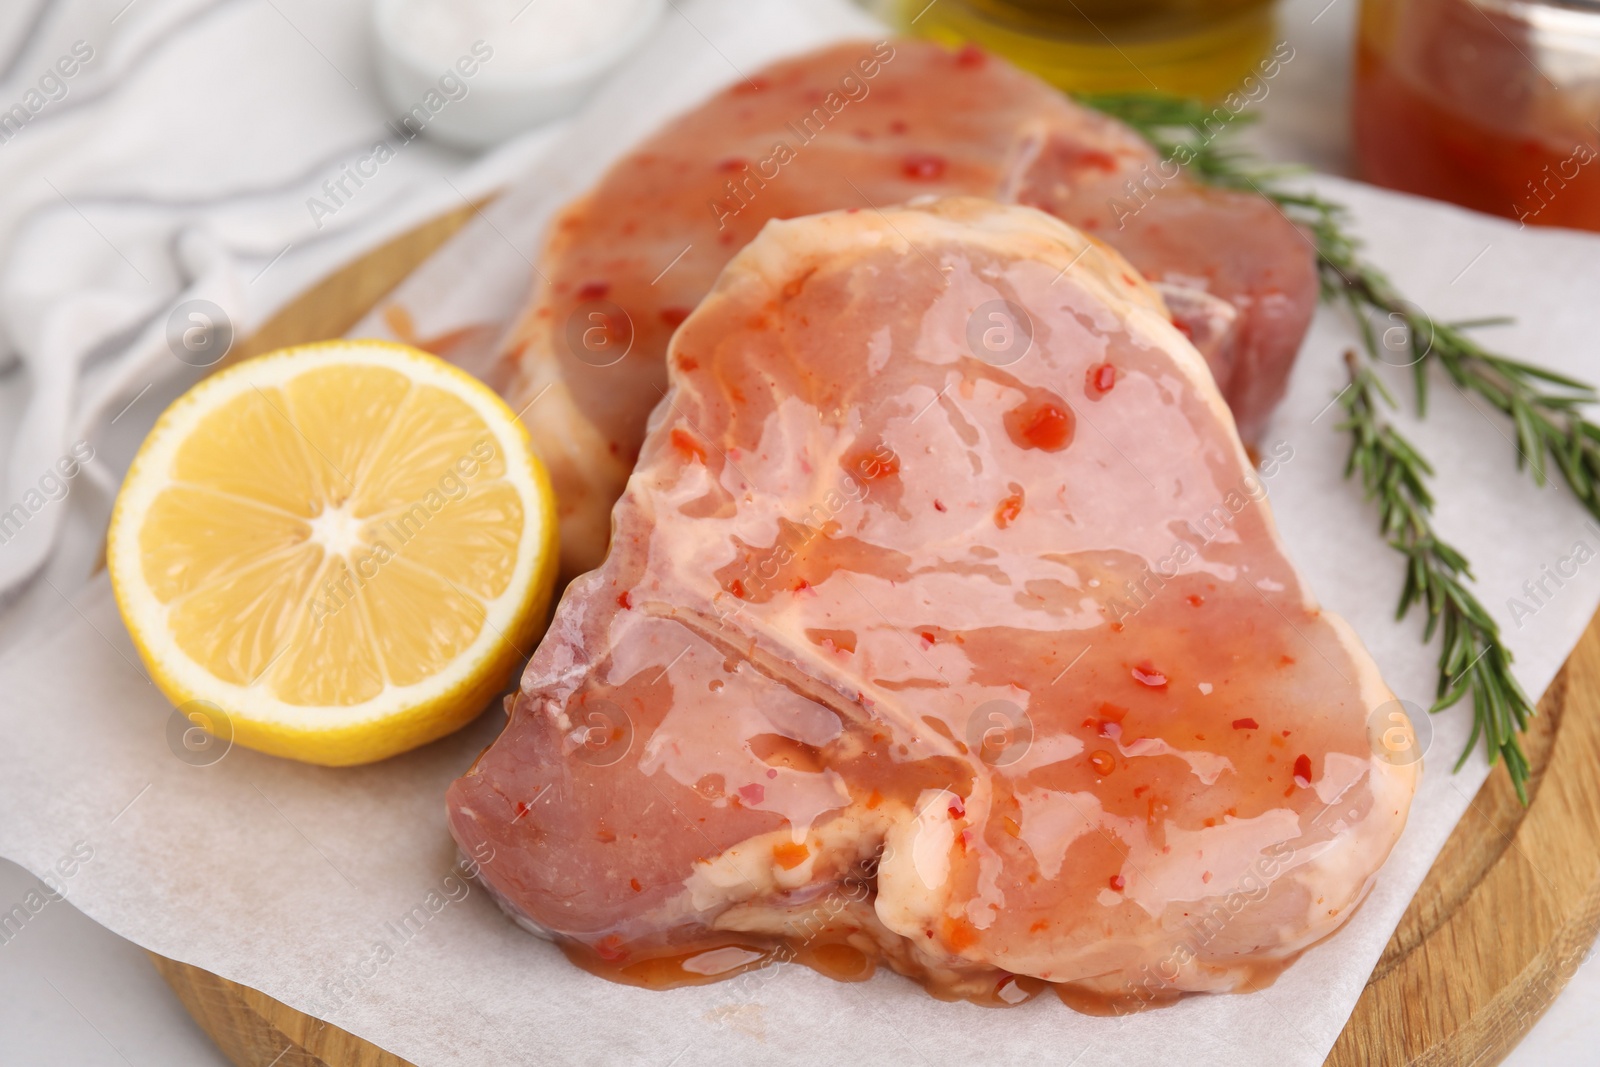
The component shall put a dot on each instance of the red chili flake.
(970, 55)
(688, 363)
(522, 809)
(754, 793)
(1195, 600)
(1302, 770)
(1246, 724)
(751, 85)
(729, 166)
(593, 291)
(927, 638)
(938, 506)
(958, 808)
(736, 587)
(1145, 673)
(1009, 509)
(634, 884)
(1100, 379)
(897, 126)
(1118, 883)
(684, 442)
(624, 601)
(923, 167)
(1139, 790)
(1286, 661)
(1102, 762)
(1205, 878)
(1183, 328)
(674, 317)
(801, 586)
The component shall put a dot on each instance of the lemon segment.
(346, 547)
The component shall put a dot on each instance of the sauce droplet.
(1041, 425)
(1009, 509)
(789, 856)
(923, 167)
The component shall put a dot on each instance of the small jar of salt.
(472, 73)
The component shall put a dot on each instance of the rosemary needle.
(1546, 408)
(1473, 658)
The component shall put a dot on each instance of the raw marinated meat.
(945, 625)
(866, 126)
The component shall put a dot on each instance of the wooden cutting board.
(1502, 921)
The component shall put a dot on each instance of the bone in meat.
(973, 653)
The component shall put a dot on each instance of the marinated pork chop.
(867, 126)
(945, 624)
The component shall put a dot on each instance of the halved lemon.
(345, 547)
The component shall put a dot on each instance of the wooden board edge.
(252, 1029)
(1509, 909)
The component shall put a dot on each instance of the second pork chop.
(865, 126)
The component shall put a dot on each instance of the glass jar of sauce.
(1491, 104)
(1201, 48)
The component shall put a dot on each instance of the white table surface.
(73, 993)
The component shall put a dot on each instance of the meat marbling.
(867, 126)
(976, 653)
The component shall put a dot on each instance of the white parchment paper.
(337, 891)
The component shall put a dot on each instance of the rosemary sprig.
(1472, 658)
(1547, 410)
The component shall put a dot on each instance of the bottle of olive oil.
(1198, 48)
